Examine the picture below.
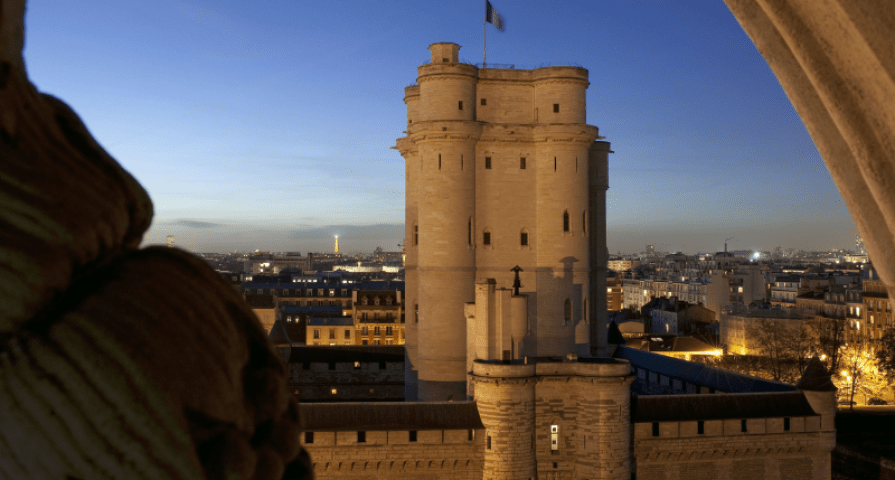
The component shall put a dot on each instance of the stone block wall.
(765, 450)
(436, 454)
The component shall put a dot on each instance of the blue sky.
(269, 124)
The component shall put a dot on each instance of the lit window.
(376, 330)
(333, 391)
(332, 334)
(554, 437)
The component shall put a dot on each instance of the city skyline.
(270, 127)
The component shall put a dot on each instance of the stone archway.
(834, 60)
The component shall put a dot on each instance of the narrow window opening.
(786, 424)
(416, 234)
(461, 104)
(332, 365)
(523, 239)
(555, 465)
(469, 435)
(565, 221)
(584, 221)
(484, 102)
(576, 164)
(655, 429)
(522, 163)
(461, 161)
(309, 437)
(568, 310)
(412, 436)
(486, 238)
(743, 426)
(439, 161)
(489, 442)
(555, 108)
(361, 437)
(554, 164)
(382, 365)
(469, 232)
(488, 163)
(700, 427)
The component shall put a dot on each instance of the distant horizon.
(206, 237)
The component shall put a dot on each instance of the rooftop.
(379, 416)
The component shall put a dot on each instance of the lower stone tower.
(555, 419)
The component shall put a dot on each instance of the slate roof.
(663, 408)
(816, 378)
(292, 309)
(278, 334)
(698, 374)
(346, 353)
(330, 321)
(378, 416)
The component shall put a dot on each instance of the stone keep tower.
(501, 170)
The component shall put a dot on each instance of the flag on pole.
(492, 17)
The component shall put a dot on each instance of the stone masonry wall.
(436, 454)
(724, 451)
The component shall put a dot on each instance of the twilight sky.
(269, 124)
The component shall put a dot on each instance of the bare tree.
(786, 345)
(858, 363)
(830, 334)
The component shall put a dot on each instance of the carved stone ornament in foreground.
(117, 362)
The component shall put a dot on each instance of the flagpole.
(485, 31)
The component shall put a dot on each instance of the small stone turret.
(818, 388)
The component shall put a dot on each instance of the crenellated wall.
(765, 450)
(441, 454)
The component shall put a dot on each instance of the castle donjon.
(511, 372)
